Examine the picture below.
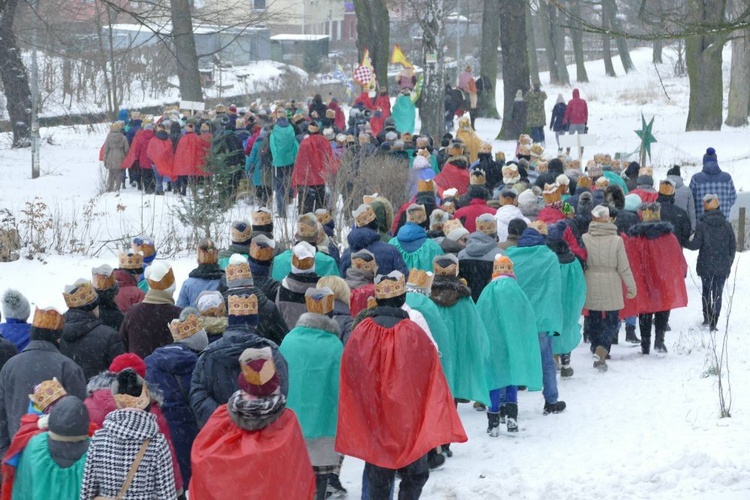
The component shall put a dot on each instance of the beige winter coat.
(115, 149)
(607, 267)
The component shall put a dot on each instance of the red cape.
(358, 298)
(394, 401)
(270, 463)
(550, 215)
(659, 269)
(161, 153)
(134, 152)
(189, 157)
(452, 177)
(646, 196)
(314, 160)
(378, 119)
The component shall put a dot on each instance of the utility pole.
(35, 140)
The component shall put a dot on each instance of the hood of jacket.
(176, 359)
(214, 325)
(479, 245)
(125, 278)
(78, 324)
(319, 322)
(446, 291)
(651, 230)
(713, 218)
(507, 213)
(530, 238)
(602, 229)
(678, 182)
(411, 236)
(362, 237)
(576, 94)
(711, 167)
(131, 425)
(448, 245)
(99, 382)
(299, 283)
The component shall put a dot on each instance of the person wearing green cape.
(467, 350)
(307, 230)
(313, 352)
(416, 248)
(404, 113)
(514, 345)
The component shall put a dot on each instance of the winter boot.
(565, 370)
(502, 414)
(600, 359)
(511, 412)
(659, 343)
(616, 338)
(558, 407)
(447, 450)
(479, 406)
(585, 330)
(645, 343)
(493, 424)
(630, 335)
(435, 460)
(334, 485)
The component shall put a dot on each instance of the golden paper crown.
(449, 207)
(243, 305)
(650, 212)
(307, 226)
(485, 147)
(138, 402)
(164, 283)
(477, 178)
(525, 139)
(711, 204)
(451, 270)
(46, 393)
(130, 261)
(181, 330)
(147, 248)
(420, 278)
(456, 149)
(584, 181)
(263, 253)
(602, 183)
(102, 282)
(425, 186)
(524, 150)
(303, 264)
(646, 171)
(241, 231)
(323, 305)
(537, 150)
(486, 226)
(502, 266)
(666, 188)
(257, 372)
(416, 214)
(261, 218)
(323, 216)
(365, 217)
(48, 319)
(407, 136)
(207, 252)
(599, 158)
(540, 226)
(451, 226)
(551, 194)
(82, 295)
(238, 271)
(388, 288)
(510, 170)
(364, 265)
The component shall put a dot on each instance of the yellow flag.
(398, 57)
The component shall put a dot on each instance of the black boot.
(321, 485)
(645, 343)
(659, 343)
(511, 413)
(435, 459)
(334, 484)
(616, 338)
(502, 414)
(554, 407)
(493, 424)
(565, 370)
(630, 335)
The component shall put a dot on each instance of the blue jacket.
(205, 277)
(411, 236)
(16, 331)
(387, 256)
(712, 180)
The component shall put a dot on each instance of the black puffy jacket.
(714, 239)
(89, 342)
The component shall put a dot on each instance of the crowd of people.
(274, 364)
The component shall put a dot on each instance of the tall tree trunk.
(549, 49)
(703, 58)
(488, 57)
(622, 43)
(186, 54)
(432, 108)
(515, 60)
(577, 36)
(531, 46)
(739, 90)
(14, 77)
(656, 55)
(558, 44)
(373, 33)
(609, 68)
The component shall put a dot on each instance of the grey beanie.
(69, 417)
(15, 305)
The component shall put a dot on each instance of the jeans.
(159, 180)
(498, 397)
(549, 369)
(631, 320)
(659, 319)
(380, 481)
(603, 326)
(580, 128)
(537, 134)
(282, 177)
(713, 286)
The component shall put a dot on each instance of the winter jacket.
(109, 313)
(577, 112)
(325, 265)
(313, 163)
(476, 261)
(712, 180)
(160, 152)
(129, 294)
(404, 114)
(387, 256)
(290, 299)
(607, 268)
(647, 193)
(519, 115)
(557, 123)
(205, 277)
(714, 239)
(284, 145)
(683, 198)
(89, 342)
(535, 102)
(189, 156)
(343, 316)
(262, 279)
(7, 350)
(625, 220)
(454, 174)
(170, 368)
(16, 331)
(137, 147)
(114, 448)
(215, 374)
(225, 255)
(271, 324)
(415, 248)
(503, 216)
(468, 214)
(132, 130)
(675, 216)
(115, 149)
(39, 361)
(145, 329)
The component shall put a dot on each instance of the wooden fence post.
(741, 231)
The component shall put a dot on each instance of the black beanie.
(128, 382)
(675, 170)
(45, 334)
(69, 417)
(555, 165)
(632, 170)
(516, 227)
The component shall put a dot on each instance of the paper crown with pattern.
(425, 186)
(258, 376)
(542, 166)
(79, 294)
(524, 150)
(238, 268)
(364, 260)
(510, 170)
(416, 213)
(390, 285)
(485, 147)
(303, 257)
(211, 303)
(261, 217)
(47, 393)
(477, 178)
(242, 305)
(646, 171)
(502, 266)
(602, 183)
(103, 277)
(319, 300)
(537, 150)
(487, 224)
(323, 216)
(584, 181)
(650, 212)
(540, 226)
(181, 330)
(139, 402)
(241, 232)
(451, 226)
(262, 248)
(551, 194)
(364, 215)
(420, 279)
(144, 245)
(207, 252)
(48, 319)
(307, 226)
(130, 261)
(445, 265)
(525, 139)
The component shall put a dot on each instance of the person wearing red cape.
(659, 269)
(394, 401)
(455, 172)
(189, 158)
(252, 447)
(160, 151)
(311, 170)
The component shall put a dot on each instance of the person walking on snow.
(712, 180)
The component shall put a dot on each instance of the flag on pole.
(364, 74)
(398, 57)
(341, 76)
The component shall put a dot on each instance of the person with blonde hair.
(114, 151)
(342, 295)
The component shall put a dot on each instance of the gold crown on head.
(388, 287)
(666, 188)
(416, 214)
(502, 266)
(48, 319)
(647, 171)
(369, 266)
(584, 181)
(420, 278)
(540, 226)
(241, 231)
(46, 393)
(451, 226)
(243, 305)
(261, 218)
(307, 226)
(164, 283)
(710, 202)
(486, 226)
(323, 216)
(81, 294)
(318, 302)
(477, 178)
(238, 271)
(537, 150)
(425, 186)
(130, 261)
(145, 246)
(207, 252)
(181, 330)
(364, 215)
(525, 139)
(551, 194)
(102, 281)
(260, 252)
(450, 270)
(650, 212)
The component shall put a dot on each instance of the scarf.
(254, 414)
(207, 272)
(160, 297)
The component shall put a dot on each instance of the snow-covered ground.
(648, 428)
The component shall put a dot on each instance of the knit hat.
(68, 420)
(675, 170)
(420, 162)
(258, 376)
(487, 224)
(454, 230)
(131, 262)
(145, 245)
(262, 220)
(710, 202)
(81, 295)
(129, 391)
(540, 226)
(307, 228)
(364, 260)
(303, 258)
(238, 272)
(650, 212)
(242, 305)
(632, 202)
(416, 214)
(15, 305)
(103, 277)
(128, 360)
(445, 265)
(211, 303)
(363, 215)
(600, 213)
(710, 155)
(419, 281)
(241, 232)
(160, 276)
(319, 300)
(502, 266)
(438, 218)
(390, 285)
(47, 393)
(528, 198)
(262, 248)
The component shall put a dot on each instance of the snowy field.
(648, 428)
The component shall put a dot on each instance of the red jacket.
(340, 120)
(577, 112)
(314, 161)
(452, 177)
(129, 293)
(378, 119)
(358, 298)
(468, 214)
(645, 196)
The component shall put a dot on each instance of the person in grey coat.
(290, 298)
(683, 196)
(39, 361)
(114, 152)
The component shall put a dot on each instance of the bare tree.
(739, 90)
(515, 60)
(577, 37)
(488, 59)
(531, 47)
(14, 77)
(429, 14)
(373, 34)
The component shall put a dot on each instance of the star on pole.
(646, 137)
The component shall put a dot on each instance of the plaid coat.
(712, 180)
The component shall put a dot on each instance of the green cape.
(573, 299)
(38, 475)
(325, 265)
(404, 114)
(422, 257)
(616, 179)
(429, 310)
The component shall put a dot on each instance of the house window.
(259, 4)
